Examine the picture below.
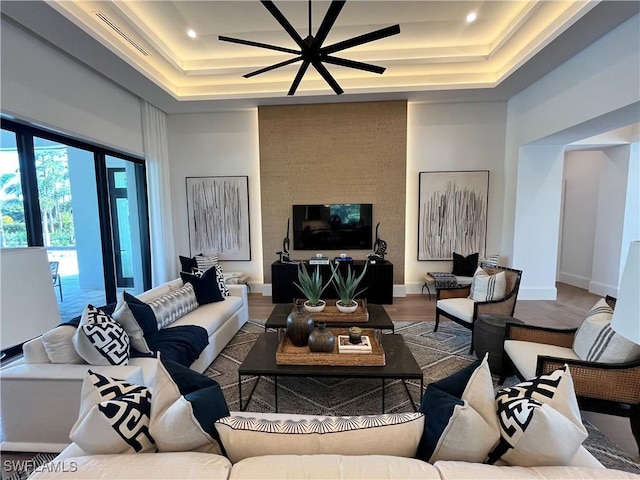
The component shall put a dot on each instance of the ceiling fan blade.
(359, 40)
(327, 77)
(298, 79)
(327, 22)
(343, 62)
(272, 67)
(277, 14)
(258, 44)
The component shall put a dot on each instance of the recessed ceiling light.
(191, 33)
(471, 17)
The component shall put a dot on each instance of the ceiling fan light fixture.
(312, 51)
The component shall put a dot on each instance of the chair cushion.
(596, 341)
(540, 421)
(461, 421)
(486, 288)
(524, 355)
(461, 308)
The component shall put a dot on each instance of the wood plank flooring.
(568, 311)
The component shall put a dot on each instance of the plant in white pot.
(346, 288)
(312, 288)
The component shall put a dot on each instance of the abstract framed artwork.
(218, 211)
(452, 213)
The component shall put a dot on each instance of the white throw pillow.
(59, 346)
(485, 287)
(100, 340)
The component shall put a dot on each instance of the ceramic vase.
(322, 339)
(299, 326)
(314, 308)
(347, 309)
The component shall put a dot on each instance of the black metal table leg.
(240, 390)
(383, 395)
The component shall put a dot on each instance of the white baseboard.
(537, 293)
(266, 289)
(602, 289)
(574, 280)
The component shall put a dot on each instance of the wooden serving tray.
(333, 315)
(288, 354)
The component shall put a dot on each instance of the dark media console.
(378, 280)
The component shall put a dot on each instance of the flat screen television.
(345, 226)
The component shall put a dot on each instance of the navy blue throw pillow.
(465, 266)
(205, 287)
(142, 313)
(187, 264)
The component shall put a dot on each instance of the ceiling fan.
(311, 49)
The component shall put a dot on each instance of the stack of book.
(345, 346)
(319, 261)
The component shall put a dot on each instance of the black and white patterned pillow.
(114, 417)
(205, 262)
(540, 421)
(100, 340)
(222, 284)
(171, 306)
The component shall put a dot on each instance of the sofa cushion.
(100, 340)
(138, 320)
(486, 288)
(114, 417)
(461, 308)
(460, 470)
(321, 467)
(58, 344)
(540, 421)
(465, 266)
(192, 465)
(185, 406)
(596, 341)
(524, 355)
(155, 292)
(34, 351)
(205, 286)
(211, 316)
(461, 421)
(171, 306)
(246, 436)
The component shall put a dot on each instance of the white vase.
(316, 308)
(349, 309)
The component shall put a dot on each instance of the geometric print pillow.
(596, 341)
(171, 306)
(222, 285)
(540, 421)
(114, 417)
(486, 288)
(100, 340)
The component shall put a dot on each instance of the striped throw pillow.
(485, 287)
(170, 307)
(205, 262)
(596, 341)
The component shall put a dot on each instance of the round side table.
(488, 336)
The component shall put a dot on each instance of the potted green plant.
(346, 288)
(310, 284)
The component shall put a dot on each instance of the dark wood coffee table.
(378, 318)
(261, 361)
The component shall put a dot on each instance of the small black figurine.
(380, 246)
(285, 257)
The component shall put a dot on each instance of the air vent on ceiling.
(122, 33)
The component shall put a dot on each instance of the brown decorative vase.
(299, 326)
(321, 339)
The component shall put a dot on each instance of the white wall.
(211, 145)
(41, 85)
(595, 91)
(453, 136)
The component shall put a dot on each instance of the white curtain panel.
(156, 151)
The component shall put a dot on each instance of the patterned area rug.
(439, 354)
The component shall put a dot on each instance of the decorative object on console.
(218, 216)
(355, 335)
(346, 288)
(299, 326)
(322, 339)
(540, 421)
(114, 417)
(379, 246)
(285, 256)
(311, 50)
(312, 288)
(626, 316)
(100, 340)
(452, 213)
(462, 424)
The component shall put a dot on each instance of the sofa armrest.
(548, 336)
(617, 382)
(456, 292)
(239, 290)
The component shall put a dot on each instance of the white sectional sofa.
(41, 400)
(318, 457)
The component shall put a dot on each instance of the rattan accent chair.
(465, 311)
(611, 388)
